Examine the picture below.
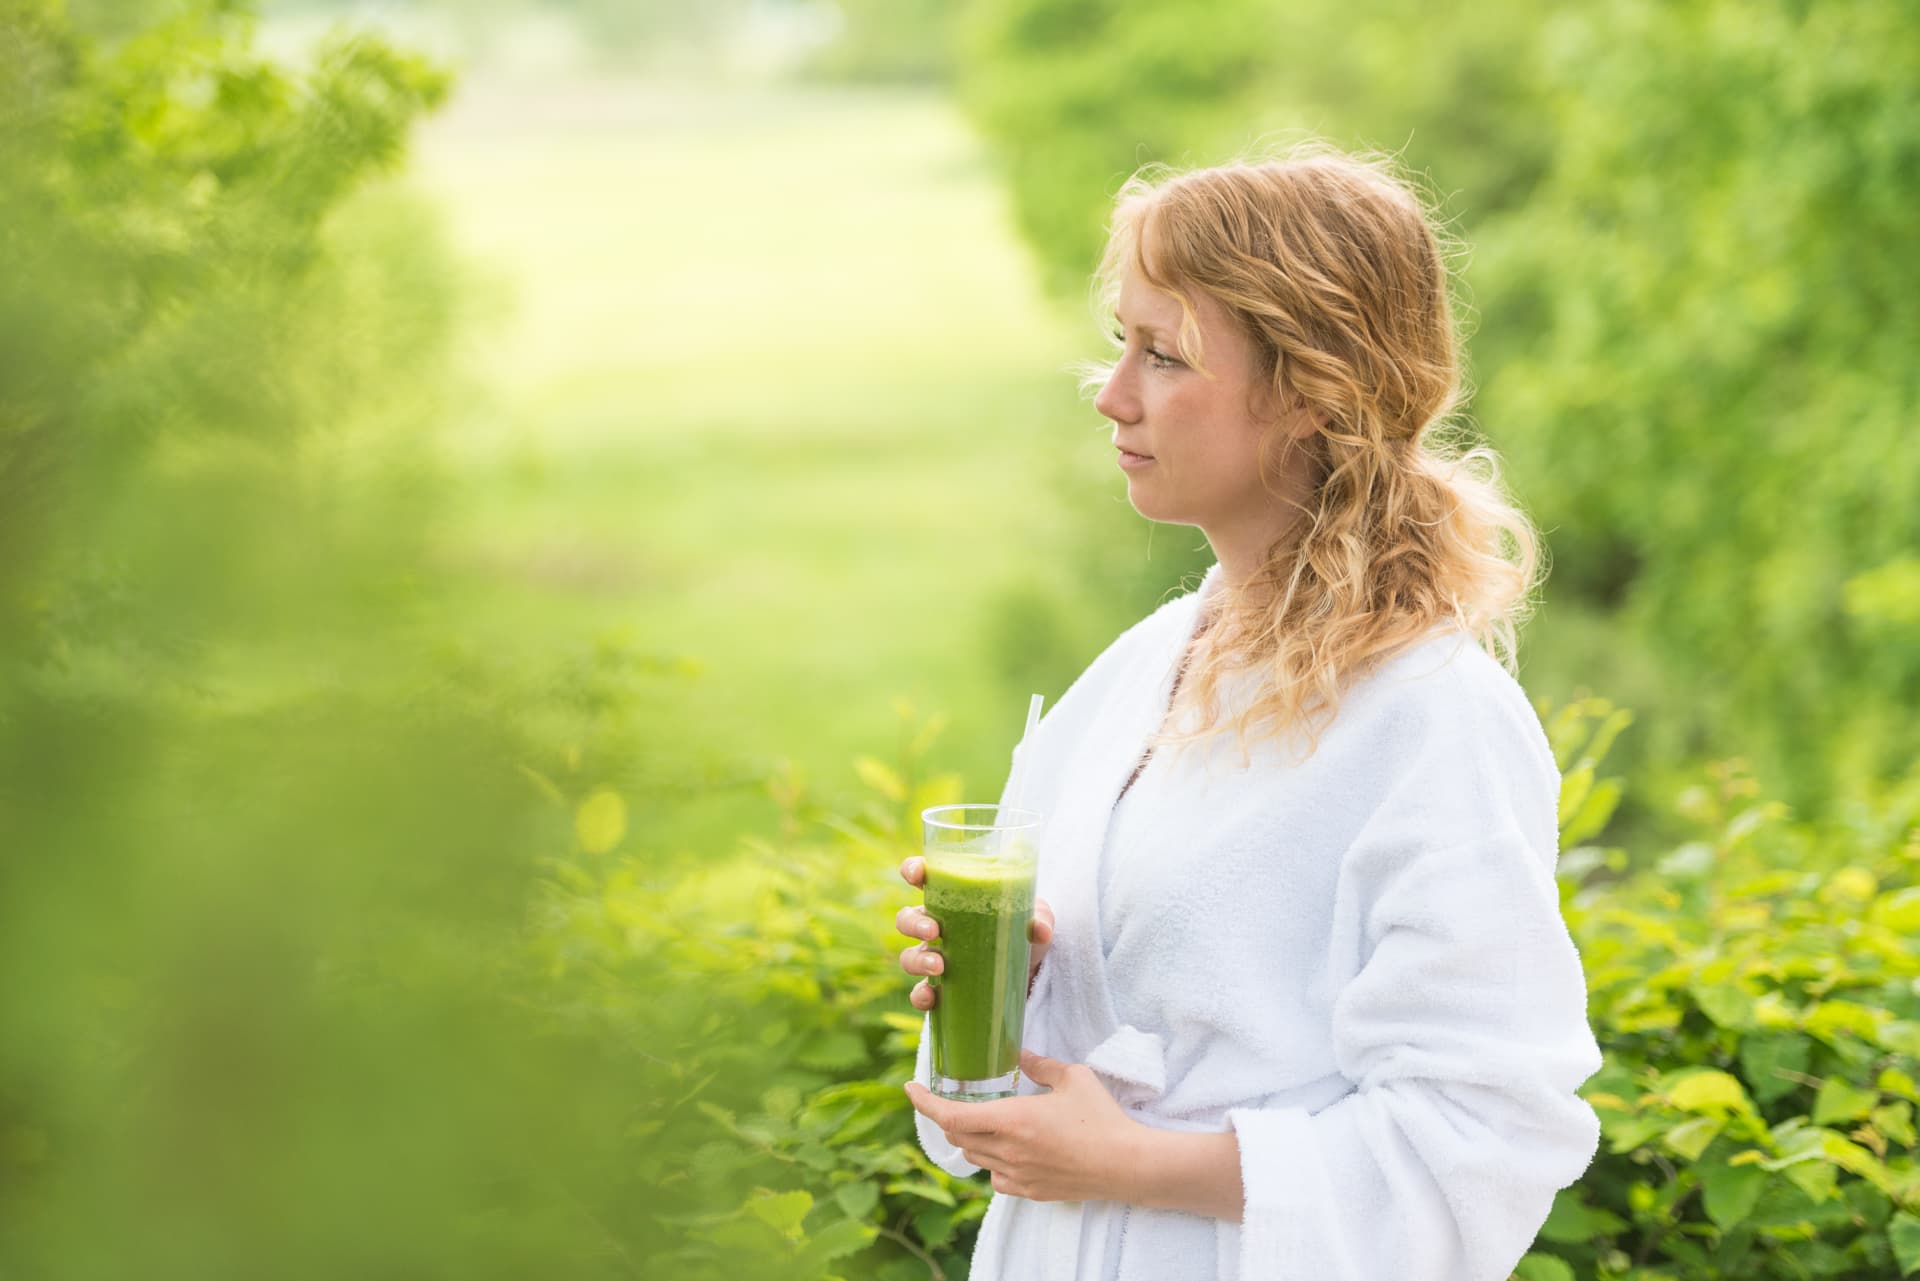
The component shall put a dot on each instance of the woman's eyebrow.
(1155, 330)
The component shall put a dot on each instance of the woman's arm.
(1195, 1172)
(1465, 1036)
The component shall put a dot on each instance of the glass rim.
(1031, 819)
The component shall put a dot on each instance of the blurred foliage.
(1701, 366)
(268, 830)
(847, 41)
(889, 42)
(1693, 291)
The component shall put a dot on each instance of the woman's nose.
(1114, 401)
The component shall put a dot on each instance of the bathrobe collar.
(1082, 1022)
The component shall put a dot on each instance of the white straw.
(1019, 779)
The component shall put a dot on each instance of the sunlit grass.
(771, 389)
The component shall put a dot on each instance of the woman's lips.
(1131, 461)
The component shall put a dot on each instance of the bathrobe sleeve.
(1463, 1030)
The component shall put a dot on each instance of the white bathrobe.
(1356, 963)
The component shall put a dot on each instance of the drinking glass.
(981, 862)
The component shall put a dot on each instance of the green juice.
(984, 908)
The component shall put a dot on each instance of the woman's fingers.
(913, 921)
(1040, 929)
(922, 960)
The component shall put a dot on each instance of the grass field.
(769, 387)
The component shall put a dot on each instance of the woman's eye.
(1159, 361)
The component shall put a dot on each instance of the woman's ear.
(1304, 420)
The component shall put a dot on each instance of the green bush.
(759, 998)
(1757, 992)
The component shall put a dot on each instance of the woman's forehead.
(1144, 303)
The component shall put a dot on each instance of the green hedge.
(1758, 996)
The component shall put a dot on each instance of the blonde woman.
(1306, 1006)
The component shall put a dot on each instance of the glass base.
(982, 1091)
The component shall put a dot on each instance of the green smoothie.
(984, 907)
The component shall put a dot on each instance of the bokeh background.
(509, 508)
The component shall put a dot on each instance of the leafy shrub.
(1757, 992)
(760, 1006)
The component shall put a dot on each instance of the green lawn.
(770, 387)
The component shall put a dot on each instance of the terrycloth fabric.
(1356, 963)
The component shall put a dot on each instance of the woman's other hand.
(922, 959)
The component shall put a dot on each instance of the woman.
(1305, 1008)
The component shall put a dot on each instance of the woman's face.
(1200, 432)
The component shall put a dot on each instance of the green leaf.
(1902, 1036)
(600, 821)
(1691, 1137)
(1543, 1267)
(1764, 1058)
(935, 1224)
(816, 1156)
(1572, 1221)
(1895, 1120)
(1725, 1004)
(1898, 912)
(1894, 1081)
(1625, 1133)
(922, 1188)
(1593, 813)
(1830, 1017)
(1903, 1233)
(857, 1199)
(782, 1211)
(1730, 1191)
(1708, 1090)
(780, 1102)
(834, 1050)
(1815, 1178)
(1840, 1101)
(1854, 1159)
(1574, 786)
(842, 1237)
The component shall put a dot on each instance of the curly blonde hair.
(1337, 270)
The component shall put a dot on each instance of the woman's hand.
(914, 922)
(1073, 1143)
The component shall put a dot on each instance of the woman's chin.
(1149, 509)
